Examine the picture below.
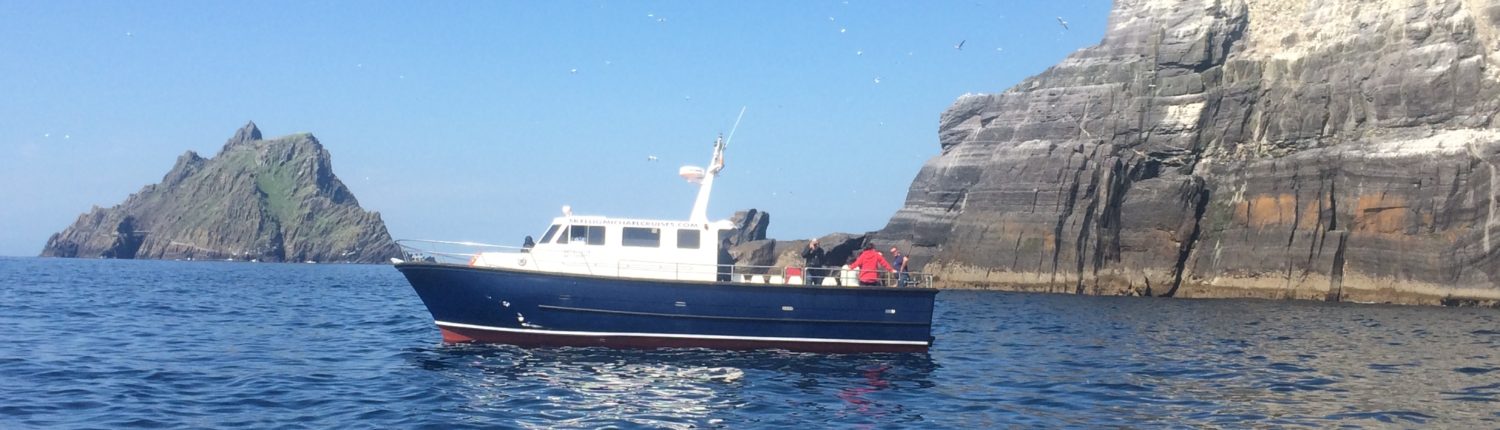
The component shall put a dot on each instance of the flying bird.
(1064, 24)
(960, 45)
(650, 158)
(573, 71)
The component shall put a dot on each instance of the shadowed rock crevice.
(127, 240)
(1198, 197)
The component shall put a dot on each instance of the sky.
(480, 120)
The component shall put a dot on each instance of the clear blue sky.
(465, 120)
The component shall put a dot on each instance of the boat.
(646, 283)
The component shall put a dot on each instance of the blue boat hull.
(477, 304)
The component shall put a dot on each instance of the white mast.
(700, 206)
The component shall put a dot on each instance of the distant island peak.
(257, 199)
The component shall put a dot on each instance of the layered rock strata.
(258, 199)
(1340, 150)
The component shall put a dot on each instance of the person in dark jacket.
(812, 261)
(726, 261)
(869, 264)
(900, 262)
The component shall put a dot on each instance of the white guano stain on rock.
(1184, 116)
(1446, 142)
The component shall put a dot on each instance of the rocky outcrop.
(749, 225)
(1340, 150)
(838, 248)
(771, 257)
(267, 200)
(754, 253)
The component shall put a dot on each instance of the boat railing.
(751, 274)
(464, 253)
(446, 251)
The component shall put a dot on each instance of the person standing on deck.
(812, 261)
(726, 262)
(899, 262)
(869, 264)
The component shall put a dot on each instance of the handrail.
(586, 264)
(402, 242)
(434, 250)
(739, 273)
(667, 270)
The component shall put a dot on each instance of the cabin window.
(590, 234)
(550, 231)
(688, 238)
(641, 236)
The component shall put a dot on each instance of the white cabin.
(630, 248)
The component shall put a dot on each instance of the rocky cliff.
(1339, 150)
(271, 200)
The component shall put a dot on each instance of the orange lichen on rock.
(1383, 214)
(1266, 210)
(1310, 212)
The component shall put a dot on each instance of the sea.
(161, 344)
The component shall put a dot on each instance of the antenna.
(736, 126)
(700, 206)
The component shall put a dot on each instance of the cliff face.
(1341, 150)
(272, 200)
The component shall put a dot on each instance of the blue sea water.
(127, 344)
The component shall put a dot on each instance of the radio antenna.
(700, 206)
(736, 126)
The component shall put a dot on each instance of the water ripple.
(139, 344)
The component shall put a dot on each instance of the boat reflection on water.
(673, 388)
(859, 396)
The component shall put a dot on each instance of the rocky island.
(1339, 150)
(258, 199)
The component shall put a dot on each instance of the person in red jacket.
(868, 264)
